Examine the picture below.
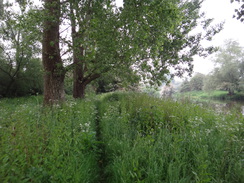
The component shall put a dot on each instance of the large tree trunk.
(53, 66)
(78, 76)
(80, 83)
(80, 80)
(79, 89)
(231, 92)
(78, 63)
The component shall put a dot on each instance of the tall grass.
(119, 138)
(153, 140)
(47, 145)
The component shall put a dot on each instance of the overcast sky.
(220, 10)
(223, 10)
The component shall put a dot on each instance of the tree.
(96, 44)
(18, 48)
(149, 38)
(168, 38)
(185, 86)
(93, 37)
(210, 82)
(228, 73)
(54, 71)
(239, 13)
(196, 82)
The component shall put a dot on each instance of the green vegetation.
(212, 95)
(47, 145)
(227, 74)
(118, 137)
(195, 84)
(102, 42)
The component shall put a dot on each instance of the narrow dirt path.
(102, 162)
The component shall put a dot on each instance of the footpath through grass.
(119, 138)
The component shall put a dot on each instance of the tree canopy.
(228, 75)
(194, 84)
(20, 67)
(150, 40)
(239, 13)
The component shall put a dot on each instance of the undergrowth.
(47, 144)
(153, 140)
(119, 138)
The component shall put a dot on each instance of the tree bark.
(231, 92)
(81, 83)
(78, 75)
(78, 89)
(54, 71)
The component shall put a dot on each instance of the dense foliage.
(228, 74)
(146, 39)
(195, 84)
(151, 41)
(47, 145)
(20, 66)
(119, 137)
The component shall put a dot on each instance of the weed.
(119, 137)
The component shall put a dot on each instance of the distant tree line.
(227, 75)
(194, 84)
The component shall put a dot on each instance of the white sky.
(220, 10)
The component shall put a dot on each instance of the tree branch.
(90, 78)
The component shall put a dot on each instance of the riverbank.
(219, 101)
(212, 95)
